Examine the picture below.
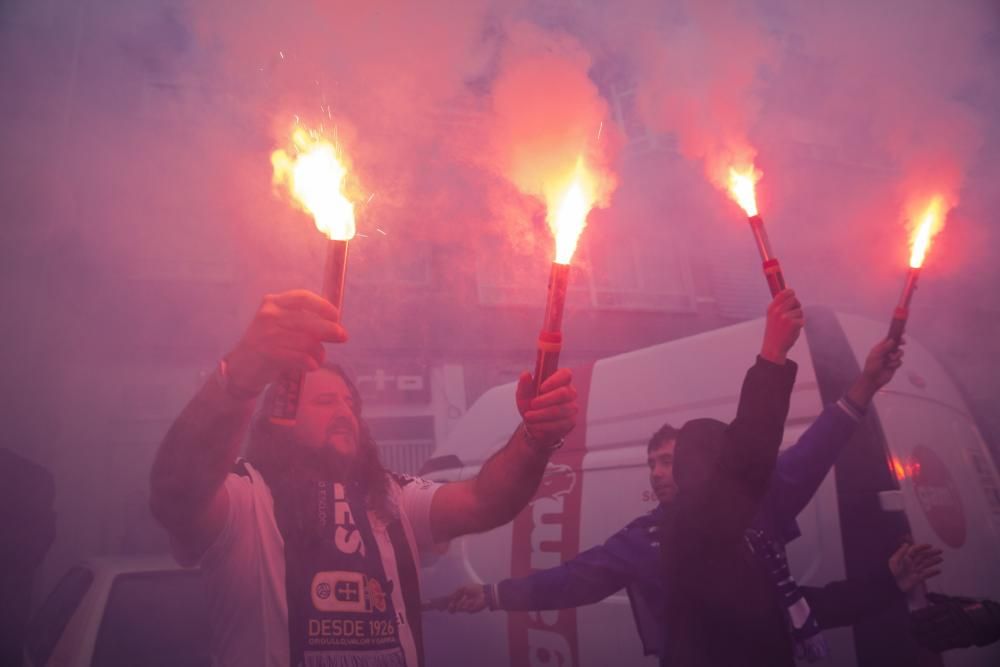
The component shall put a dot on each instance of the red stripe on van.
(545, 534)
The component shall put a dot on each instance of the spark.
(364, 236)
(282, 54)
(370, 197)
(599, 129)
(380, 231)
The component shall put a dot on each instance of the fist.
(882, 362)
(550, 415)
(470, 599)
(784, 324)
(286, 334)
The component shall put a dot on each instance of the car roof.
(113, 565)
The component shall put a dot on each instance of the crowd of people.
(310, 548)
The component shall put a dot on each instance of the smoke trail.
(548, 119)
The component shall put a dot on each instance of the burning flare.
(904, 470)
(741, 188)
(930, 224)
(568, 207)
(314, 173)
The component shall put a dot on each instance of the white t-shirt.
(244, 570)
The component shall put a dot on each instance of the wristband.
(537, 446)
(854, 406)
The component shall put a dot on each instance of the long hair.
(699, 446)
(273, 450)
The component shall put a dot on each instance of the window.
(155, 619)
(506, 277)
(389, 259)
(737, 282)
(405, 458)
(623, 273)
(626, 108)
(635, 273)
(404, 442)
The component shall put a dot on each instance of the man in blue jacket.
(630, 559)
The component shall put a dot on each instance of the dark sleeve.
(588, 578)
(723, 508)
(801, 468)
(846, 602)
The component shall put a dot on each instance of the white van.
(917, 465)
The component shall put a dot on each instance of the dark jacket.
(721, 609)
(845, 602)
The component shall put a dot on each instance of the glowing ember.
(568, 208)
(313, 173)
(904, 470)
(898, 469)
(741, 188)
(930, 224)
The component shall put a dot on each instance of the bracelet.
(226, 382)
(537, 446)
(862, 411)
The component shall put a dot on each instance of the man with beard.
(630, 559)
(309, 549)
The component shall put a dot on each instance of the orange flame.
(569, 202)
(897, 468)
(931, 222)
(904, 470)
(313, 173)
(741, 187)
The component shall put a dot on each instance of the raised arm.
(509, 479)
(722, 507)
(802, 467)
(187, 492)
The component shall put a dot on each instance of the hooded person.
(718, 608)
(730, 597)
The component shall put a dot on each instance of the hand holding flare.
(314, 176)
(741, 189)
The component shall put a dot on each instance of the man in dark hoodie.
(721, 606)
